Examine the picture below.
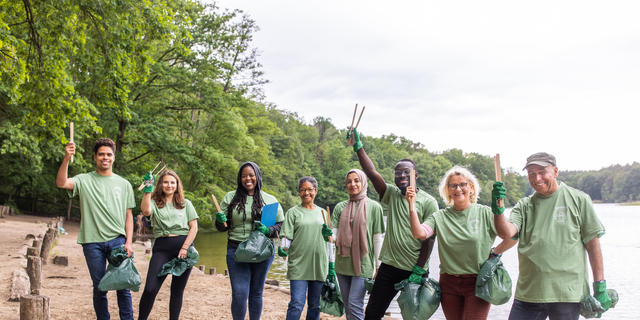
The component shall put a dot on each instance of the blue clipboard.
(269, 213)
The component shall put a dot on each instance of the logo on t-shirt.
(474, 226)
(560, 214)
(180, 213)
(117, 192)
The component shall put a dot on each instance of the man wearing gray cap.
(554, 225)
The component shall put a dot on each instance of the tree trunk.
(34, 307)
(34, 270)
(47, 243)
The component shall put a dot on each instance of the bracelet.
(493, 253)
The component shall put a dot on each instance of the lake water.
(620, 249)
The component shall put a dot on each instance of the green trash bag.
(493, 284)
(591, 308)
(256, 248)
(121, 273)
(330, 298)
(178, 266)
(368, 284)
(418, 301)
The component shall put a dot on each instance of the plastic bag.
(418, 301)
(256, 248)
(591, 308)
(330, 299)
(368, 284)
(121, 273)
(493, 284)
(178, 266)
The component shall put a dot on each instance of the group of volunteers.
(555, 229)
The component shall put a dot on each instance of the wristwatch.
(492, 253)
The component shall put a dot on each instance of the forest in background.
(180, 82)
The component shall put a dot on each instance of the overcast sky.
(508, 77)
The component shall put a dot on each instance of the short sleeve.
(131, 200)
(191, 211)
(288, 227)
(590, 225)
(337, 213)
(376, 213)
(224, 205)
(431, 222)
(430, 206)
(77, 186)
(516, 216)
(387, 194)
(280, 214)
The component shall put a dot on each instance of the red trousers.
(459, 301)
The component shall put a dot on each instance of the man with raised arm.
(555, 226)
(400, 250)
(106, 223)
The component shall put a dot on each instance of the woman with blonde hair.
(466, 234)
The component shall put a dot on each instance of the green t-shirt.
(308, 253)
(104, 201)
(375, 225)
(241, 228)
(400, 249)
(169, 220)
(553, 231)
(464, 238)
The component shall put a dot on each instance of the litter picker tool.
(153, 174)
(351, 140)
(71, 136)
(412, 183)
(496, 164)
(325, 222)
(215, 201)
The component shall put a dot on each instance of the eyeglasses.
(462, 185)
(307, 190)
(399, 173)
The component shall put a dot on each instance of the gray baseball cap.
(542, 159)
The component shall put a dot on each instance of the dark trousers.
(164, 250)
(383, 291)
(521, 310)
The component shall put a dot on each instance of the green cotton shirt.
(169, 220)
(553, 231)
(464, 238)
(308, 253)
(241, 228)
(104, 201)
(375, 225)
(400, 249)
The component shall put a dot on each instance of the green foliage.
(612, 184)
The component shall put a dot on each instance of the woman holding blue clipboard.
(240, 208)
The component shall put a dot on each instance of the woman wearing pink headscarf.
(358, 231)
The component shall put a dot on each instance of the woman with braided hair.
(240, 208)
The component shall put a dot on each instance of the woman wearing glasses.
(465, 234)
(305, 236)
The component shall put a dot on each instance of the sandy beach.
(70, 291)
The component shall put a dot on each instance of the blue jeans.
(352, 291)
(247, 282)
(521, 310)
(97, 255)
(299, 293)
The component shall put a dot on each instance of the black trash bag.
(591, 308)
(418, 301)
(178, 266)
(121, 273)
(368, 284)
(256, 248)
(330, 298)
(493, 283)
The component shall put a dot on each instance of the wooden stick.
(325, 222)
(154, 169)
(412, 183)
(496, 165)
(355, 111)
(285, 235)
(71, 136)
(361, 112)
(218, 207)
(329, 214)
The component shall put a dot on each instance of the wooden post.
(33, 251)
(412, 182)
(202, 268)
(37, 243)
(69, 210)
(212, 271)
(71, 136)
(496, 165)
(34, 307)
(47, 243)
(34, 270)
(226, 272)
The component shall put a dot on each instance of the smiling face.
(543, 179)
(307, 193)
(169, 185)
(248, 179)
(104, 158)
(402, 173)
(354, 185)
(460, 195)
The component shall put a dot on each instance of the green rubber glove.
(221, 217)
(282, 253)
(260, 227)
(600, 293)
(148, 181)
(356, 137)
(326, 232)
(332, 272)
(498, 192)
(416, 276)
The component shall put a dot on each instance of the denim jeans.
(247, 282)
(521, 310)
(352, 291)
(299, 290)
(97, 255)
